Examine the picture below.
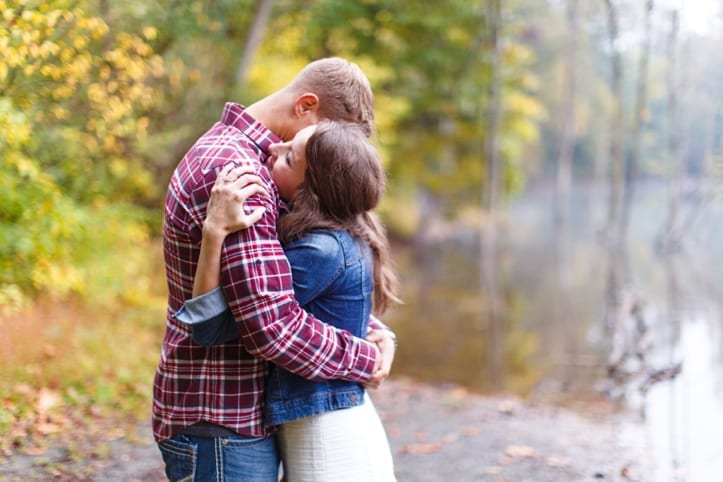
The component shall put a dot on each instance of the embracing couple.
(276, 269)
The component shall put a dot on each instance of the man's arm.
(314, 265)
(386, 341)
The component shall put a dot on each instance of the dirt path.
(437, 434)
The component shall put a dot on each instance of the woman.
(332, 178)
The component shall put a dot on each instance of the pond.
(579, 323)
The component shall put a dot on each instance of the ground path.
(437, 433)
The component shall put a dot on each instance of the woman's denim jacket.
(332, 280)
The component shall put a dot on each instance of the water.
(557, 320)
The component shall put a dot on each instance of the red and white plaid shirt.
(225, 384)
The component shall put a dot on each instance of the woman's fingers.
(230, 174)
(254, 216)
(231, 179)
(236, 172)
(246, 178)
(233, 187)
(222, 175)
(248, 190)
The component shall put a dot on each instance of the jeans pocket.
(179, 455)
(251, 460)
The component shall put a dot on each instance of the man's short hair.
(344, 91)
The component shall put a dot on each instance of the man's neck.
(269, 112)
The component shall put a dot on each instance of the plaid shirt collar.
(235, 115)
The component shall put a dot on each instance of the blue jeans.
(223, 459)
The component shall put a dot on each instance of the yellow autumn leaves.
(73, 99)
(56, 61)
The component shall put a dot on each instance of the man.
(208, 400)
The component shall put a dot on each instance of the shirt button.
(353, 398)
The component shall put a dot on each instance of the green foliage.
(53, 245)
(72, 102)
(83, 88)
(114, 93)
(431, 69)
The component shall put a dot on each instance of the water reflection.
(558, 343)
(684, 417)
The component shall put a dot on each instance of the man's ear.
(306, 104)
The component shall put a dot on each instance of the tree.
(567, 138)
(617, 121)
(72, 95)
(492, 315)
(668, 238)
(639, 114)
(429, 71)
(255, 37)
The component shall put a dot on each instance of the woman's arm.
(209, 261)
(207, 314)
(225, 214)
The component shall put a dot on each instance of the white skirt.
(346, 445)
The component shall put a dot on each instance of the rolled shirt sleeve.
(210, 319)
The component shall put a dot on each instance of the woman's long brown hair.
(344, 182)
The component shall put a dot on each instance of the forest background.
(477, 103)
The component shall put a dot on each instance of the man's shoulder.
(219, 146)
(222, 141)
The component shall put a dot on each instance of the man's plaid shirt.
(224, 384)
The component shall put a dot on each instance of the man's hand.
(387, 347)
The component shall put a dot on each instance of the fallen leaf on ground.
(34, 450)
(520, 451)
(47, 428)
(23, 389)
(556, 461)
(49, 350)
(47, 399)
(629, 473)
(459, 394)
(508, 407)
(420, 448)
(421, 436)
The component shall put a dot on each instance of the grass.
(74, 364)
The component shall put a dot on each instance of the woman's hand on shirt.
(225, 212)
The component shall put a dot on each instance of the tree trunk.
(667, 236)
(617, 120)
(488, 255)
(254, 39)
(568, 136)
(632, 167)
